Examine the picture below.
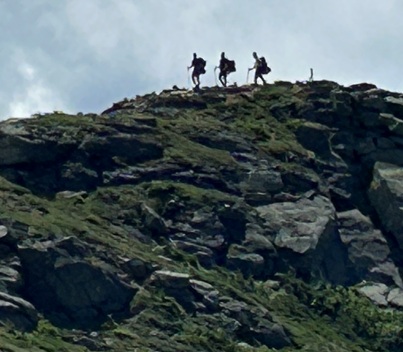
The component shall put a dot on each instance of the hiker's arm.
(254, 67)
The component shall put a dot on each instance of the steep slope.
(239, 219)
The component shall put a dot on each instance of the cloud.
(88, 54)
(35, 97)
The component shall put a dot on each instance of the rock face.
(386, 194)
(67, 287)
(305, 233)
(224, 219)
(368, 251)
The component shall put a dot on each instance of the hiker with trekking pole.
(226, 67)
(260, 68)
(198, 65)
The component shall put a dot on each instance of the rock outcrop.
(234, 219)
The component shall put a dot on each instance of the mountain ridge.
(252, 218)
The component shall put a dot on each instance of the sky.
(84, 55)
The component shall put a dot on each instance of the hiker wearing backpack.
(226, 67)
(198, 65)
(260, 68)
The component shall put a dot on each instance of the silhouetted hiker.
(198, 65)
(226, 67)
(260, 68)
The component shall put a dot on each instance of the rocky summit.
(253, 218)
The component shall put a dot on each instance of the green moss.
(183, 151)
(45, 338)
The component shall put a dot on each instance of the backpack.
(264, 69)
(200, 65)
(230, 66)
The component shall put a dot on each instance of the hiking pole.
(215, 75)
(188, 78)
(247, 77)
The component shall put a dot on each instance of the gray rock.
(368, 250)
(10, 278)
(261, 180)
(138, 268)
(130, 148)
(395, 105)
(377, 293)
(305, 235)
(394, 124)
(16, 149)
(3, 231)
(209, 295)
(13, 232)
(255, 324)
(19, 312)
(395, 298)
(315, 137)
(170, 279)
(152, 221)
(69, 289)
(300, 180)
(298, 226)
(250, 264)
(271, 335)
(204, 255)
(369, 119)
(70, 194)
(386, 196)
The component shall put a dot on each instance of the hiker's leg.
(220, 78)
(194, 78)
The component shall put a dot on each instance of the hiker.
(198, 65)
(260, 68)
(226, 67)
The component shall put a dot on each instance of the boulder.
(69, 289)
(315, 137)
(17, 311)
(204, 255)
(205, 292)
(12, 232)
(255, 324)
(262, 180)
(386, 196)
(153, 222)
(342, 104)
(395, 105)
(138, 269)
(10, 276)
(299, 180)
(250, 264)
(377, 293)
(169, 279)
(305, 234)
(129, 148)
(393, 124)
(16, 150)
(368, 250)
(395, 298)
(176, 285)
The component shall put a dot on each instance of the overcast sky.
(83, 55)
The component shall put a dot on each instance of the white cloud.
(87, 54)
(27, 71)
(36, 98)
